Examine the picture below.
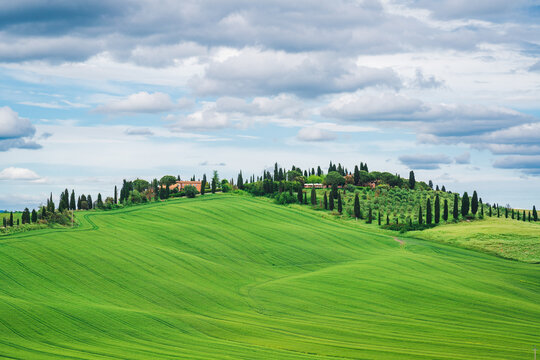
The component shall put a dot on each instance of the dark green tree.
(325, 201)
(203, 184)
(387, 219)
(313, 196)
(356, 175)
(90, 202)
(437, 209)
(116, 195)
(339, 203)
(379, 217)
(465, 204)
(474, 203)
(412, 180)
(370, 216)
(420, 220)
(11, 219)
(455, 212)
(300, 195)
(72, 203)
(356, 206)
(428, 212)
(34, 216)
(99, 201)
(523, 217)
(481, 205)
(331, 204)
(445, 210)
(305, 198)
(240, 181)
(534, 214)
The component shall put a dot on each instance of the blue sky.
(95, 92)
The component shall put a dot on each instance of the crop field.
(238, 277)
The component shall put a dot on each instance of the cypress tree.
(115, 195)
(490, 211)
(356, 175)
(420, 221)
(465, 205)
(379, 217)
(357, 206)
(339, 203)
(4, 220)
(203, 184)
(474, 203)
(443, 189)
(534, 214)
(325, 201)
(455, 212)
(445, 210)
(334, 191)
(214, 186)
(72, 204)
(34, 216)
(240, 181)
(66, 199)
(319, 171)
(50, 207)
(412, 180)
(387, 219)
(523, 215)
(428, 211)
(18, 222)
(506, 212)
(529, 216)
(313, 196)
(90, 202)
(513, 214)
(370, 216)
(331, 205)
(481, 207)
(498, 212)
(11, 219)
(305, 198)
(99, 201)
(300, 195)
(437, 209)
(517, 214)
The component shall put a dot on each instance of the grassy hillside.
(503, 237)
(234, 277)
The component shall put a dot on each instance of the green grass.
(507, 238)
(232, 277)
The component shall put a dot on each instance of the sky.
(94, 92)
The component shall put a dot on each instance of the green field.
(237, 277)
(503, 237)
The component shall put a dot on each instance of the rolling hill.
(237, 277)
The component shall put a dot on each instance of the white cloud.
(425, 161)
(141, 102)
(464, 158)
(315, 134)
(14, 173)
(253, 71)
(12, 126)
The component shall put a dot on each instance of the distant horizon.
(95, 92)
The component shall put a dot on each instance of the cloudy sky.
(97, 92)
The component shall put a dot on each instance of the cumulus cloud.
(206, 119)
(464, 158)
(426, 82)
(425, 161)
(12, 126)
(141, 102)
(315, 134)
(15, 132)
(253, 71)
(373, 107)
(14, 173)
(527, 164)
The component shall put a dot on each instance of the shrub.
(190, 191)
(286, 198)
(350, 187)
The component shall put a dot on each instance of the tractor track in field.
(401, 242)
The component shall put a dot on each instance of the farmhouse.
(316, 186)
(182, 184)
